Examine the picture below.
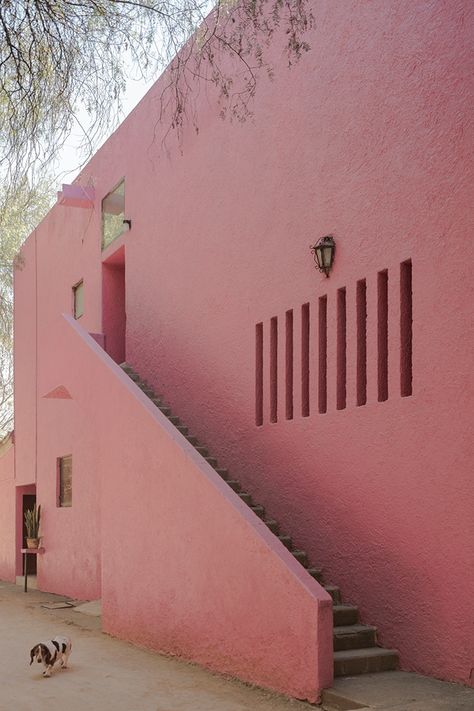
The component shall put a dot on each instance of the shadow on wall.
(350, 521)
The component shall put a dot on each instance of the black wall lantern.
(324, 251)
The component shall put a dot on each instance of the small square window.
(113, 214)
(78, 299)
(65, 481)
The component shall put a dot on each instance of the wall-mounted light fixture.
(127, 224)
(323, 253)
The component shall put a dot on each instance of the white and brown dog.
(48, 653)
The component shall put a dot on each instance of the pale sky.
(68, 164)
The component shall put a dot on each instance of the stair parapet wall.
(187, 568)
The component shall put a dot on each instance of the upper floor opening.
(113, 214)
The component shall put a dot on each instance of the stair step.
(235, 485)
(354, 637)
(316, 573)
(203, 451)
(364, 661)
(148, 392)
(212, 461)
(165, 410)
(158, 402)
(286, 540)
(193, 440)
(246, 498)
(345, 615)
(335, 593)
(184, 430)
(127, 368)
(272, 525)
(301, 557)
(174, 420)
(259, 510)
(223, 473)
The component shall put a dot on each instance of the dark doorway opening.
(29, 500)
(113, 305)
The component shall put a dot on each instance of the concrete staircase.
(355, 644)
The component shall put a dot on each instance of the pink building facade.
(343, 405)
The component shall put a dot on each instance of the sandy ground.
(106, 674)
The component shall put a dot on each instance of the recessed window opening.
(323, 355)
(64, 467)
(406, 328)
(113, 215)
(305, 360)
(259, 374)
(361, 308)
(382, 335)
(274, 369)
(289, 365)
(341, 350)
(78, 299)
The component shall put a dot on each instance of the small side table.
(26, 552)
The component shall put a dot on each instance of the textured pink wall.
(7, 511)
(50, 427)
(69, 534)
(187, 568)
(372, 142)
(370, 138)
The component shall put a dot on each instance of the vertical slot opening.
(274, 369)
(361, 307)
(305, 360)
(259, 374)
(406, 328)
(382, 335)
(323, 355)
(341, 350)
(289, 365)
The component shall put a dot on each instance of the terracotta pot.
(32, 542)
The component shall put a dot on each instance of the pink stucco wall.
(368, 138)
(7, 510)
(187, 568)
(50, 427)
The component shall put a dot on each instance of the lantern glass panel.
(327, 255)
(319, 256)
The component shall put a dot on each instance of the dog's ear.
(45, 653)
(33, 653)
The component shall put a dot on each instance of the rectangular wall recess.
(274, 369)
(382, 335)
(289, 365)
(323, 355)
(305, 360)
(361, 308)
(406, 328)
(341, 350)
(64, 486)
(259, 374)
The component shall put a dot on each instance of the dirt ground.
(106, 674)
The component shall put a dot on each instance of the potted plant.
(32, 523)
